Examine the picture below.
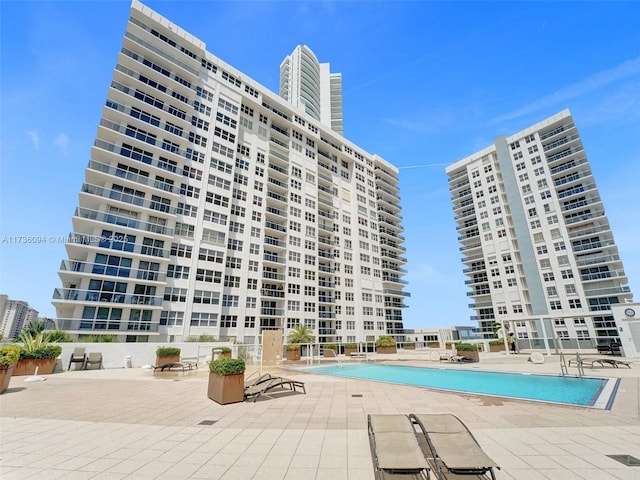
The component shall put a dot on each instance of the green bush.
(227, 366)
(9, 355)
(167, 351)
(97, 338)
(385, 341)
(59, 336)
(466, 347)
(293, 346)
(409, 344)
(497, 342)
(330, 346)
(37, 346)
(433, 344)
(202, 338)
(44, 352)
(350, 345)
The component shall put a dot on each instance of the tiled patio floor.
(117, 424)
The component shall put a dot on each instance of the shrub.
(201, 338)
(59, 336)
(167, 351)
(227, 366)
(385, 341)
(44, 352)
(36, 346)
(330, 346)
(293, 346)
(433, 344)
(496, 342)
(466, 347)
(409, 344)
(301, 334)
(9, 355)
(97, 338)
(350, 345)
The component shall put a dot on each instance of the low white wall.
(116, 355)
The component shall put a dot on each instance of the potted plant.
(496, 345)
(433, 344)
(386, 344)
(9, 356)
(331, 346)
(298, 334)
(221, 351)
(409, 345)
(293, 351)
(36, 352)
(166, 355)
(469, 350)
(350, 348)
(226, 380)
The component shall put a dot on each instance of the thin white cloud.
(62, 142)
(35, 139)
(625, 70)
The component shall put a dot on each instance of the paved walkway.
(131, 424)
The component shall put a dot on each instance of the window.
(555, 305)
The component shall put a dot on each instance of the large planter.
(293, 355)
(386, 350)
(225, 389)
(474, 355)
(348, 351)
(169, 359)
(496, 348)
(27, 366)
(409, 347)
(5, 377)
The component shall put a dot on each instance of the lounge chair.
(459, 359)
(451, 447)
(78, 356)
(263, 388)
(590, 362)
(94, 358)
(395, 450)
(250, 382)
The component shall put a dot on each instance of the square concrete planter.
(5, 377)
(27, 366)
(293, 355)
(385, 350)
(225, 389)
(169, 359)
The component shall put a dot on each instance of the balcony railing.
(73, 294)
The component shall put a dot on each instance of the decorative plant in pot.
(350, 348)
(221, 351)
(330, 346)
(409, 345)
(9, 356)
(386, 344)
(166, 355)
(226, 380)
(299, 334)
(469, 350)
(36, 352)
(496, 345)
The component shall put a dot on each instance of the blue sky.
(424, 83)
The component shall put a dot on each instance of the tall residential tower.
(213, 206)
(310, 86)
(536, 243)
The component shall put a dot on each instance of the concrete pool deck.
(129, 423)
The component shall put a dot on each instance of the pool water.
(585, 391)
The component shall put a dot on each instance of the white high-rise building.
(14, 316)
(310, 86)
(213, 206)
(536, 243)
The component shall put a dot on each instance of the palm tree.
(500, 328)
(301, 334)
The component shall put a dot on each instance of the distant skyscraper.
(14, 316)
(536, 243)
(309, 85)
(212, 206)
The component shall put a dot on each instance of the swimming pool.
(585, 391)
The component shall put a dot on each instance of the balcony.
(72, 294)
(111, 270)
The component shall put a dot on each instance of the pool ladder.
(564, 371)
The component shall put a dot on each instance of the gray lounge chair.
(251, 382)
(452, 448)
(78, 356)
(94, 358)
(590, 362)
(395, 450)
(275, 383)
